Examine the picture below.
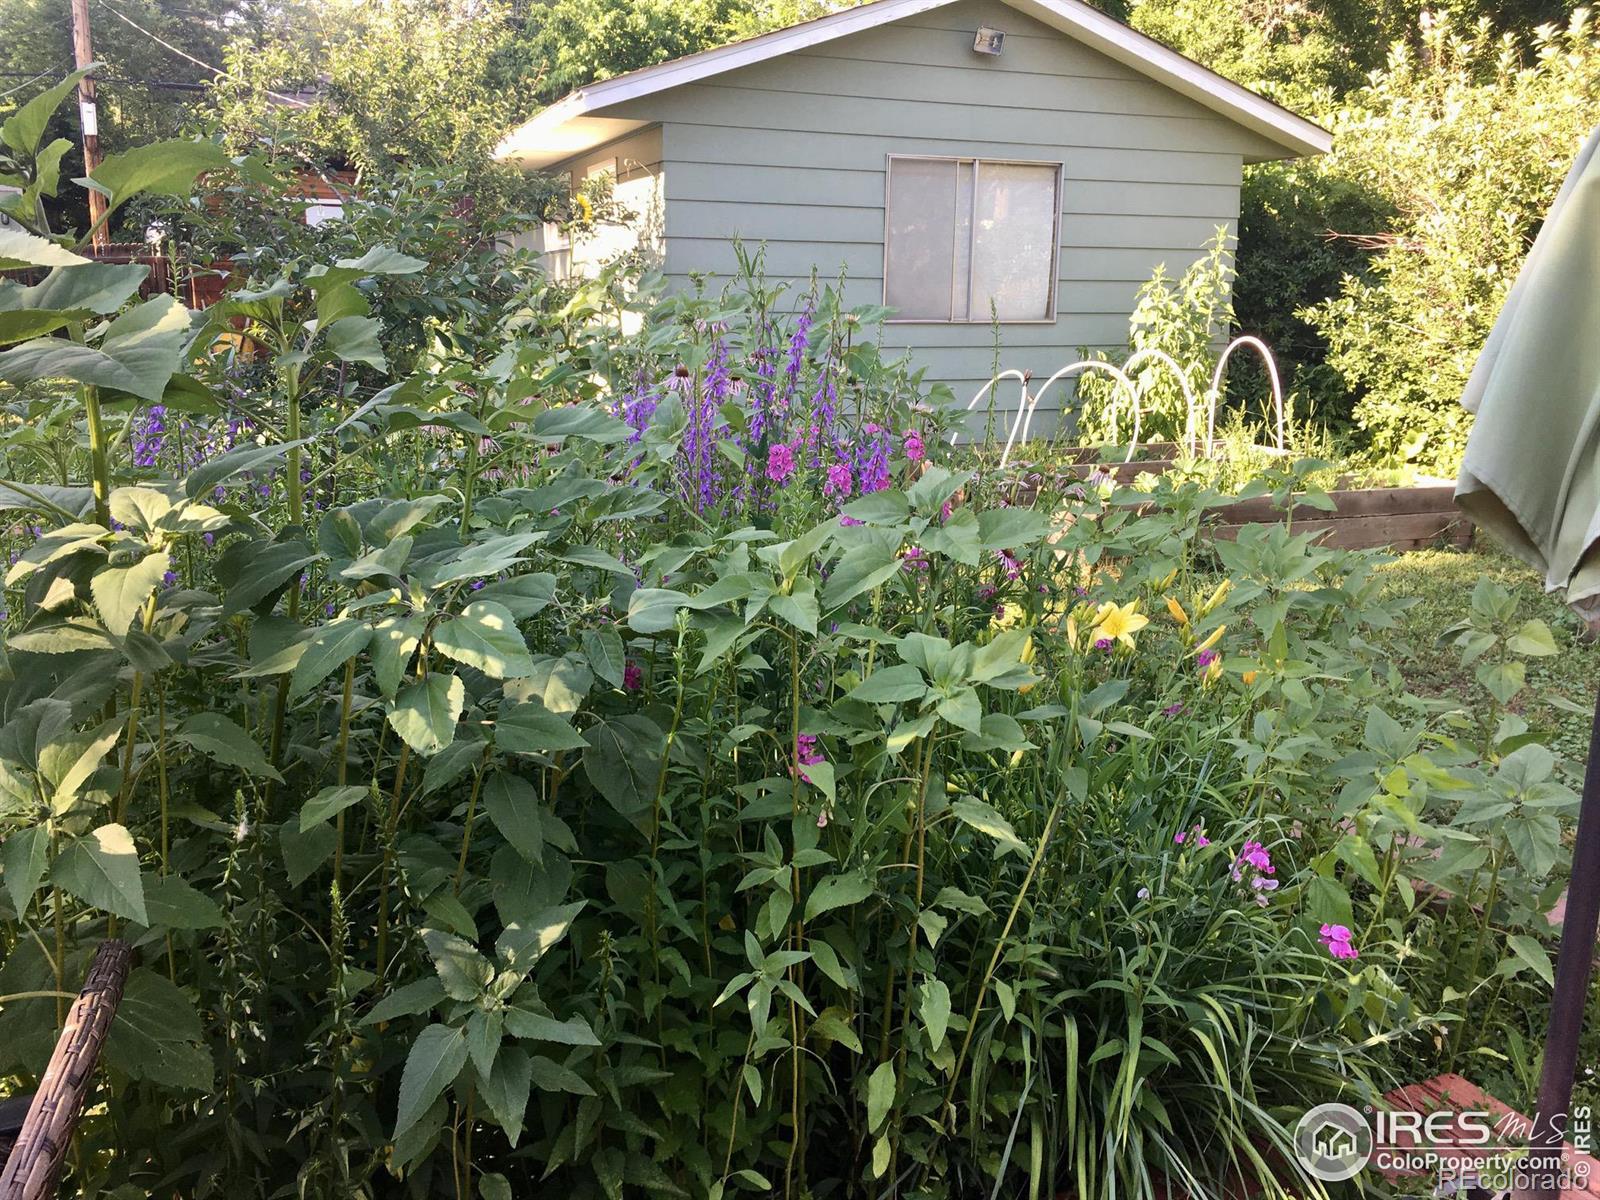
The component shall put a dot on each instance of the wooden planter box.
(1402, 518)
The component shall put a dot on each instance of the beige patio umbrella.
(1531, 475)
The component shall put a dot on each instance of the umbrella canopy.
(1531, 473)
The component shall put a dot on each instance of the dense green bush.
(649, 763)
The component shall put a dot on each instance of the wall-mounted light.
(988, 41)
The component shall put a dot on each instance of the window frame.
(977, 162)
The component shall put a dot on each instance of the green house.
(1030, 161)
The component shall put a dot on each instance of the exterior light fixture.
(988, 41)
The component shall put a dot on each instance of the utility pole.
(83, 54)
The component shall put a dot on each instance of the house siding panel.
(793, 152)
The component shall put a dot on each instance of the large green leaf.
(174, 904)
(514, 807)
(329, 803)
(380, 260)
(157, 1035)
(158, 169)
(530, 728)
(623, 761)
(837, 891)
(23, 129)
(120, 592)
(436, 1058)
(250, 572)
(329, 648)
(426, 711)
(355, 340)
(461, 969)
(484, 635)
(139, 352)
(24, 857)
(506, 1089)
(216, 736)
(18, 248)
(102, 870)
(890, 685)
(655, 610)
(524, 942)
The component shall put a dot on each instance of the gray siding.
(792, 153)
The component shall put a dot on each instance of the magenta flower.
(914, 559)
(1011, 564)
(1254, 869)
(1196, 834)
(1205, 658)
(633, 677)
(806, 754)
(1336, 939)
(840, 481)
(1172, 710)
(780, 462)
(849, 522)
(1103, 644)
(914, 448)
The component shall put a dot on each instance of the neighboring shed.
(1050, 170)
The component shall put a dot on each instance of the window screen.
(965, 232)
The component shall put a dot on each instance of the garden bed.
(1401, 518)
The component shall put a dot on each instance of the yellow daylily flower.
(1072, 632)
(1211, 640)
(1217, 596)
(1249, 677)
(1119, 622)
(1212, 672)
(1176, 609)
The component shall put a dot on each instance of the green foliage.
(556, 757)
(1469, 139)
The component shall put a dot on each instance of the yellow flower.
(1176, 609)
(1119, 622)
(1072, 632)
(1217, 596)
(1249, 677)
(1213, 639)
(1027, 657)
(1008, 616)
(585, 208)
(1212, 672)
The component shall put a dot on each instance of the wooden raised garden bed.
(1402, 518)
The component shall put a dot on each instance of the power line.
(29, 81)
(184, 54)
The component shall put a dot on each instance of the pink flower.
(1337, 940)
(1010, 564)
(780, 462)
(1254, 869)
(806, 754)
(914, 559)
(633, 677)
(1201, 841)
(849, 522)
(915, 450)
(1205, 658)
(1103, 644)
(840, 482)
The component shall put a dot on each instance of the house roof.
(578, 121)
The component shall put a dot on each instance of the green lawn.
(1442, 581)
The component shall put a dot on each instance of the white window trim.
(976, 161)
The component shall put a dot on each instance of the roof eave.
(567, 127)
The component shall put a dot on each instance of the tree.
(1468, 138)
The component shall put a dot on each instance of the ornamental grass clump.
(527, 791)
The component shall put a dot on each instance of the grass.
(1441, 582)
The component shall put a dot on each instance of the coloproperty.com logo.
(1336, 1142)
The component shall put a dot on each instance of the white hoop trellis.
(1028, 402)
(1265, 352)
